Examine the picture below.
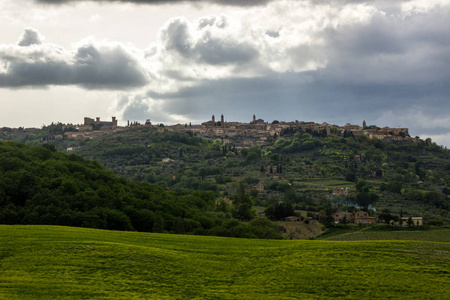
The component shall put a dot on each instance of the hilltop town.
(257, 131)
(253, 133)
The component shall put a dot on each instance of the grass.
(49, 262)
(328, 182)
(387, 233)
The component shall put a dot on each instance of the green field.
(48, 262)
(368, 234)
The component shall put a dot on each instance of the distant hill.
(312, 171)
(300, 168)
(39, 185)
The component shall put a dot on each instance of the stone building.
(90, 121)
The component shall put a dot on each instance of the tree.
(386, 217)
(395, 187)
(158, 224)
(242, 205)
(365, 198)
(410, 222)
(263, 228)
(203, 173)
(251, 157)
(350, 177)
(279, 211)
(251, 180)
(362, 186)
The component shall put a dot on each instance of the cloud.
(422, 120)
(30, 36)
(155, 2)
(208, 44)
(337, 61)
(95, 18)
(92, 65)
(381, 67)
(309, 96)
(140, 108)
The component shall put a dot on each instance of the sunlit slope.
(368, 234)
(61, 262)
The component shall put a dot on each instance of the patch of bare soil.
(301, 231)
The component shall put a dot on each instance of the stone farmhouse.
(416, 221)
(357, 217)
(363, 218)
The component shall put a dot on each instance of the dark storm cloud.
(299, 96)
(392, 50)
(380, 36)
(222, 2)
(209, 48)
(387, 34)
(107, 67)
(92, 66)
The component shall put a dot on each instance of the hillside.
(309, 171)
(48, 262)
(301, 169)
(39, 185)
(383, 233)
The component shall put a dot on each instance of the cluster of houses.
(253, 133)
(261, 130)
(363, 218)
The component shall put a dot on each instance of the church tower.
(254, 119)
(222, 120)
(213, 119)
(364, 124)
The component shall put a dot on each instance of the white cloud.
(95, 18)
(93, 64)
(336, 61)
(213, 47)
(156, 2)
(421, 6)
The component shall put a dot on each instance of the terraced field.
(48, 262)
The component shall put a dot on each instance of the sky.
(341, 61)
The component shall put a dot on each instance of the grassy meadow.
(387, 233)
(49, 262)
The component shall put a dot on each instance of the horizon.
(176, 61)
(128, 123)
(196, 122)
